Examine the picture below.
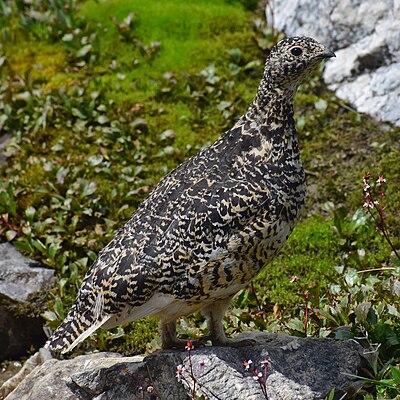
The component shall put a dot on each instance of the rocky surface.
(4, 141)
(21, 281)
(300, 369)
(365, 34)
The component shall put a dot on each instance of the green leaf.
(339, 269)
(30, 213)
(52, 250)
(344, 334)
(396, 374)
(49, 316)
(362, 311)
(83, 51)
(252, 65)
(95, 160)
(77, 113)
(82, 262)
(10, 235)
(372, 318)
(396, 287)
(351, 277)
(240, 299)
(372, 280)
(37, 244)
(61, 284)
(68, 37)
(24, 246)
(296, 325)
(235, 54)
(234, 69)
(92, 255)
(222, 105)
(263, 43)
(393, 310)
(321, 105)
(103, 119)
(359, 219)
(331, 394)
(59, 308)
(324, 333)
(334, 289)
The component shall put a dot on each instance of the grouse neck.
(270, 118)
(273, 106)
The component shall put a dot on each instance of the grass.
(183, 29)
(99, 112)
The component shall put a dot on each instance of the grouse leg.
(214, 314)
(168, 335)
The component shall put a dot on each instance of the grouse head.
(293, 59)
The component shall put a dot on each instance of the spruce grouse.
(211, 224)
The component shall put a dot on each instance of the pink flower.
(180, 370)
(189, 345)
(265, 363)
(366, 187)
(366, 177)
(381, 179)
(247, 364)
(368, 202)
(257, 375)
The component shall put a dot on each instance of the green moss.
(311, 253)
(184, 30)
(130, 339)
(43, 61)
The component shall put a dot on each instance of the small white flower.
(381, 179)
(257, 376)
(180, 370)
(247, 364)
(265, 363)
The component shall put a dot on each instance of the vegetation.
(101, 99)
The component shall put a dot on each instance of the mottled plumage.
(211, 224)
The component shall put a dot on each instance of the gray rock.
(301, 368)
(22, 284)
(365, 35)
(20, 277)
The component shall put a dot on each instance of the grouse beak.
(326, 54)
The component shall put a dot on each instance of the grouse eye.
(296, 51)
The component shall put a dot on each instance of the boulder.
(22, 285)
(299, 368)
(365, 34)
